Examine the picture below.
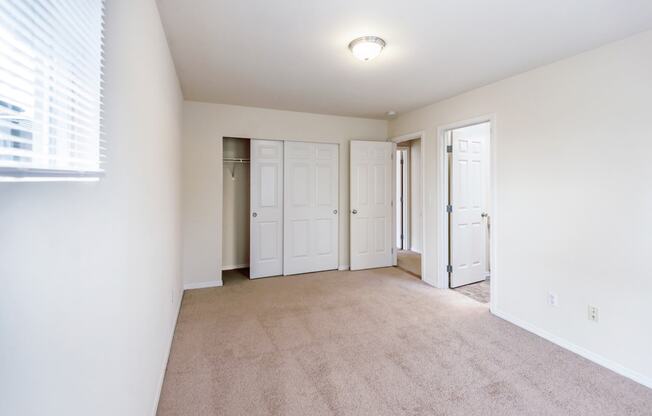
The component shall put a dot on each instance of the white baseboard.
(167, 354)
(236, 266)
(202, 285)
(589, 355)
(344, 267)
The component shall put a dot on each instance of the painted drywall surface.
(572, 146)
(204, 126)
(91, 271)
(416, 214)
(235, 205)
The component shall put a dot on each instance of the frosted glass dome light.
(366, 48)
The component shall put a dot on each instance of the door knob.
(355, 211)
(484, 215)
(334, 211)
(254, 215)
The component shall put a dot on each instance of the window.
(50, 88)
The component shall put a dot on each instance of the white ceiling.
(292, 54)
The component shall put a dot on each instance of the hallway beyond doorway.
(409, 261)
(479, 291)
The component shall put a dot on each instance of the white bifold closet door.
(266, 226)
(311, 207)
(371, 204)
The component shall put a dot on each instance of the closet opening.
(280, 213)
(236, 185)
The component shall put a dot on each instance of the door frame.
(442, 198)
(406, 195)
(421, 135)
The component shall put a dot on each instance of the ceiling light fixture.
(366, 48)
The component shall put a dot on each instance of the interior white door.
(371, 204)
(467, 196)
(311, 223)
(266, 227)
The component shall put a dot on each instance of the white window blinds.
(50, 87)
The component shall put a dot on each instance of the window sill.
(10, 179)
(48, 175)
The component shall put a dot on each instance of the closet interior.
(235, 210)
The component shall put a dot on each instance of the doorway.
(467, 208)
(402, 158)
(408, 214)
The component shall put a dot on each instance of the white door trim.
(424, 253)
(406, 195)
(442, 197)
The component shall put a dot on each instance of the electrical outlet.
(593, 313)
(552, 299)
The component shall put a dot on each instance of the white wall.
(91, 271)
(204, 125)
(235, 205)
(416, 214)
(573, 143)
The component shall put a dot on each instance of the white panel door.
(311, 207)
(371, 204)
(266, 227)
(467, 187)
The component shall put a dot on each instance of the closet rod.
(236, 160)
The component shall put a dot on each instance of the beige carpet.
(409, 261)
(480, 291)
(372, 343)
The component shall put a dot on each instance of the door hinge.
(449, 269)
(449, 208)
(449, 148)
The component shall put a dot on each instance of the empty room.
(256, 207)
